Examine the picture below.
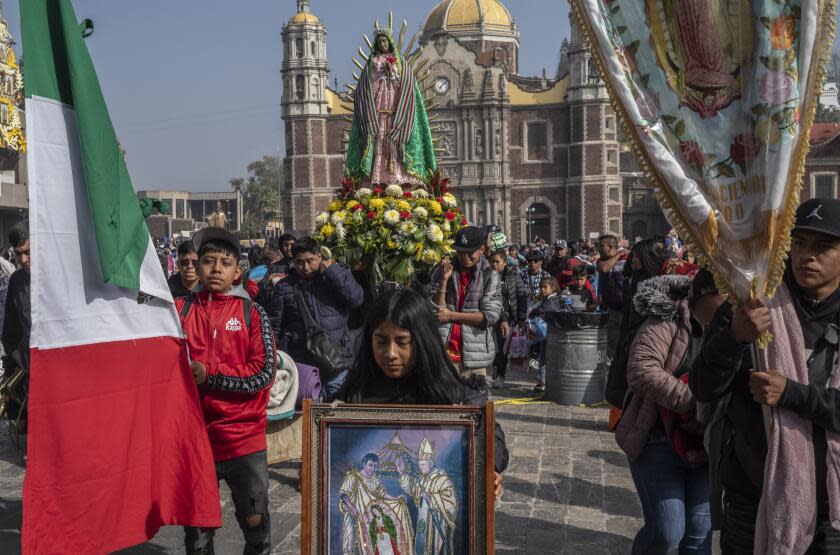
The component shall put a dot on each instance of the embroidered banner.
(718, 97)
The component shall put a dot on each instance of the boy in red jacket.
(231, 347)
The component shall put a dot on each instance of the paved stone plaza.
(567, 490)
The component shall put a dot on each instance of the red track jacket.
(240, 364)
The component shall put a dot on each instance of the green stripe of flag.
(59, 67)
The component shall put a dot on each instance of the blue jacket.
(330, 298)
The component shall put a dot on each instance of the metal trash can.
(576, 357)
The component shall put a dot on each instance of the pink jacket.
(656, 354)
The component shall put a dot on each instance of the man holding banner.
(792, 488)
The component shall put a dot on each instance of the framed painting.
(397, 480)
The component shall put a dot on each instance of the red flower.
(692, 154)
(407, 194)
(391, 59)
(439, 200)
(450, 216)
(745, 147)
(405, 215)
(371, 215)
(358, 207)
(377, 190)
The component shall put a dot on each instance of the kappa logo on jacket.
(233, 324)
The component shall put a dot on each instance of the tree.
(261, 193)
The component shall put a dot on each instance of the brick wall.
(593, 123)
(594, 160)
(594, 209)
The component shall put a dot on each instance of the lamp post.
(529, 212)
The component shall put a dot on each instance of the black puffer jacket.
(722, 368)
(330, 298)
(514, 297)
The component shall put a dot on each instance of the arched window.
(316, 89)
(299, 48)
(300, 93)
(538, 222)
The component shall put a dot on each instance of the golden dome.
(469, 15)
(304, 17)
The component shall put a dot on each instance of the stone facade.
(537, 156)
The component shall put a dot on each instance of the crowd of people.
(689, 407)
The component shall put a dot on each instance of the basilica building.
(539, 156)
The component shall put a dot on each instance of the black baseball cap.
(469, 239)
(207, 234)
(820, 215)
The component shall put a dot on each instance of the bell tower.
(305, 106)
(304, 64)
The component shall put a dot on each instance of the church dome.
(470, 17)
(304, 17)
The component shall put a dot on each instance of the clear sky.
(193, 86)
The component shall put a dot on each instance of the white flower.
(364, 191)
(394, 191)
(322, 218)
(421, 213)
(358, 217)
(338, 217)
(434, 233)
(392, 217)
(340, 232)
(408, 228)
(447, 227)
(420, 193)
(449, 200)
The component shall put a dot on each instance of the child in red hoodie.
(231, 346)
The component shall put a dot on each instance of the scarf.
(787, 513)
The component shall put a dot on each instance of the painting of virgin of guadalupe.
(705, 47)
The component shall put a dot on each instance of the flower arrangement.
(390, 233)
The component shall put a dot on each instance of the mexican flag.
(117, 445)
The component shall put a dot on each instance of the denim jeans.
(247, 478)
(675, 501)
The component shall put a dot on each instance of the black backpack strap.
(185, 308)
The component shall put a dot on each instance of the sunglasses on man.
(187, 262)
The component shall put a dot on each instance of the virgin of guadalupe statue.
(390, 139)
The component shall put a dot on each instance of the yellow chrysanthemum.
(392, 245)
(403, 206)
(327, 230)
(376, 204)
(335, 205)
(352, 204)
(435, 207)
(430, 257)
